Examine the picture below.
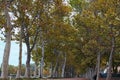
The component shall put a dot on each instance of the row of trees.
(100, 20)
(13, 69)
(69, 37)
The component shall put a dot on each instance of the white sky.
(14, 53)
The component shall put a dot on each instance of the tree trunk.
(111, 55)
(54, 70)
(42, 61)
(4, 71)
(27, 71)
(56, 66)
(29, 47)
(63, 67)
(98, 66)
(20, 56)
(51, 70)
(26, 37)
(35, 71)
(89, 73)
(8, 28)
(39, 72)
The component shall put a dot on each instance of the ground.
(69, 79)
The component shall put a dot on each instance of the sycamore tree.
(43, 21)
(26, 19)
(5, 23)
(57, 33)
(36, 54)
(60, 36)
(98, 25)
(109, 11)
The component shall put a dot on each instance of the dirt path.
(69, 79)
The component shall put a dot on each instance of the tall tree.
(26, 19)
(8, 29)
(20, 54)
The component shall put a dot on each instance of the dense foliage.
(67, 38)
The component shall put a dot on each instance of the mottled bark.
(42, 60)
(20, 56)
(109, 75)
(27, 71)
(89, 73)
(8, 29)
(29, 48)
(98, 66)
(63, 67)
(5, 61)
(56, 66)
(35, 71)
(51, 70)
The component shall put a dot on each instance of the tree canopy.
(69, 36)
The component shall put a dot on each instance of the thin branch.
(35, 38)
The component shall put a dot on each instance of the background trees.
(97, 19)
